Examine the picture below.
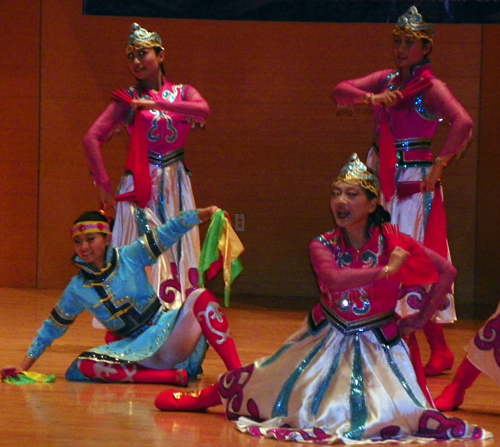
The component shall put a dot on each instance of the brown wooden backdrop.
(270, 150)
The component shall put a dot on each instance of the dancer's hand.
(388, 98)
(143, 104)
(10, 371)
(207, 213)
(397, 259)
(107, 200)
(434, 176)
(430, 182)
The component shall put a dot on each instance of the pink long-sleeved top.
(352, 293)
(417, 117)
(168, 125)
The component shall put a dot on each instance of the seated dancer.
(346, 375)
(482, 356)
(155, 345)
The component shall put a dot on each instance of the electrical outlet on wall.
(239, 222)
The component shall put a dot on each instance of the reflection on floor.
(79, 414)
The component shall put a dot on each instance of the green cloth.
(220, 231)
(27, 378)
(210, 250)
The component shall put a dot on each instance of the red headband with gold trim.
(90, 227)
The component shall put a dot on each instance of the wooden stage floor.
(116, 415)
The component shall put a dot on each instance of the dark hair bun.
(380, 216)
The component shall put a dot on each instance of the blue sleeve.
(60, 319)
(146, 249)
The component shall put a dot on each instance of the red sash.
(137, 160)
(387, 150)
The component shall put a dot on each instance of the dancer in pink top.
(408, 104)
(159, 116)
(346, 375)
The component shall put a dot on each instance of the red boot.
(216, 329)
(109, 337)
(131, 372)
(453, 395)
(441, 356)
(171, 400)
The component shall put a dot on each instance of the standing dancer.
(407, 105)
(483, 355)
(159, 116)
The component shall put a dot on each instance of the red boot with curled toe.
(453, 395)
(172, 400)
(441, 356)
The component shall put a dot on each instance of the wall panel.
(19, 141)
(488, 203)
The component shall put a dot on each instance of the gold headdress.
(141, 38)
(355, 171)
(411, 22)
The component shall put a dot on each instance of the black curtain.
(340, 11)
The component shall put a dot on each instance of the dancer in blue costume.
(346, 374)
(155, 345)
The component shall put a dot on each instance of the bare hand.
(397, 259)
(10, 371)
(429, 183)
(207, 213)
(143, 104)
(388, 98)
(107, 199)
